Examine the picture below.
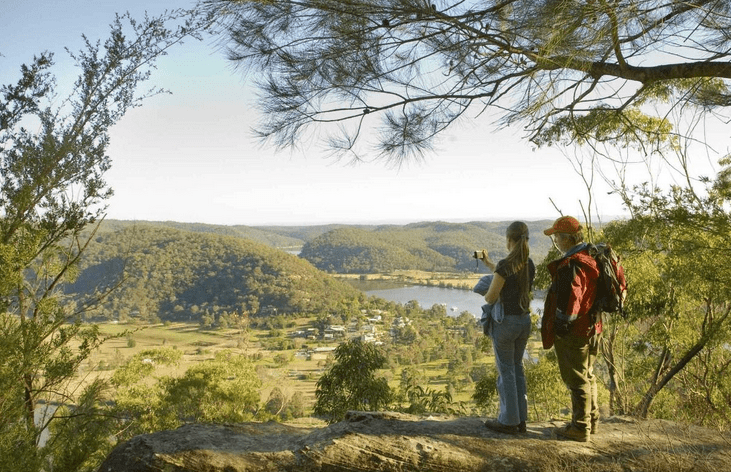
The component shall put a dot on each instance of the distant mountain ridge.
(433, 246)
(344, 248)
(266, 236)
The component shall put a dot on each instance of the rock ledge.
(367, 441)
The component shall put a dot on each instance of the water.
(455, 300)
(42, 413)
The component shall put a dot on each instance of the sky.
(191, 156)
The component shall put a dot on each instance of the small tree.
(351, 383)
(52, 165)
(138, 401)
(546, 391)
(680, 306)
(485, 394)
(276, 403)
(223, 389)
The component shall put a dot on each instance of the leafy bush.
(351, 384)
(220, 390)
(547, 394)
(485, 395)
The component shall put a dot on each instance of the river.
(455, 300)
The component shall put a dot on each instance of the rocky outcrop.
(367, 441)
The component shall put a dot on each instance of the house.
(321, 353)
(370, 329)
(335, 331)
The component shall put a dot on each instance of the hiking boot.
(573, 433)
(501, 428)
(522, 428)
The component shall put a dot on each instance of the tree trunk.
(30, 403)
(710, 327)
(643, 408)
(615, 399)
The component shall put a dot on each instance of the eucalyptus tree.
(53, 157)
(224, 389)
(410, 69)
(678, 333)
(351, 382)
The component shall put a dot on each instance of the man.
(577, 332)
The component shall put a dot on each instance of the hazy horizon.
(363, 223)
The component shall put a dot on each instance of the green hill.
(434, 246)
(165, 273)
(270, 237)
(185, 271)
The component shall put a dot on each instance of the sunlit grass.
(282, 369)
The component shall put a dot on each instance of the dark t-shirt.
(510, 294)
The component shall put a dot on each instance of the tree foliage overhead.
(421, 66)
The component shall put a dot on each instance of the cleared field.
(463, 280)
(125, 341)
(289, 370)
(295, 374)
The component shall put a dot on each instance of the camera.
(479, 254)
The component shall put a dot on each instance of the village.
(372, 331)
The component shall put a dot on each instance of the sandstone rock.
(367, 441)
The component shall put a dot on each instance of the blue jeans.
(509, 339)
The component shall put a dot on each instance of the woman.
(512, 284)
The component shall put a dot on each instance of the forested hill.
(167, 273)
(372, 248)
(434, 246)
(271, 236)
(184, 271)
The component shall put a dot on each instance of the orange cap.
(565, 224)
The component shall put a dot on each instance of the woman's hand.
(484, 257)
